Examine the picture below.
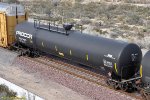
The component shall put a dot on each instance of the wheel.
(148, 96)
(145, 94)
(124, 87)
(20, 53)
(112, 84)
(117, 86)
(108, 82)
(28, 52)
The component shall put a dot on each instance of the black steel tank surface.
(120, 58)
(145, 68)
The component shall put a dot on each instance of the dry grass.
(123, 20)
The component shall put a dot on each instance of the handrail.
(52, 28)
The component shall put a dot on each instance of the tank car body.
(120, 58)
(145, 68)
(145, 76)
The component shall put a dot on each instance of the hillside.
(127, 20)
(87, 1)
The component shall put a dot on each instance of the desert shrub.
(69, 20)
(11, 1)
(79, 27)
(101, 9)
(126, 7)
(111, 7)
(140, 35)
(97, 26)
(134, 19)
(144, 30)
(105, 32)
(113, 35)
(120, 18)
(7, 91)
(90, 10)
(100, 31)
(85, 20)
(117, 31)
(137, 1)
(125, 27)
(97, 29)
(79, 0)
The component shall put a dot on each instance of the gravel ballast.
(84, 87)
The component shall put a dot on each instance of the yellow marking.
(56, 48)
(42, 44)
(141, 74)
(116, 68)
(87, 57)
(70, 52)
(31, 41)
(61, 54)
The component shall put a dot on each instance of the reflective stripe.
(61, 54)
(70, 52)
(56, 48)
(87, 57)
(31, 41)
(42, 44)
(116, 68)
(141, 70)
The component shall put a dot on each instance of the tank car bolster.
(128, 85)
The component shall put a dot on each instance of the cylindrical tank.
(121, 58)
(145, 68)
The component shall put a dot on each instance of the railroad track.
(76, 71)
(72, 70)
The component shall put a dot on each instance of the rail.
(77, 71)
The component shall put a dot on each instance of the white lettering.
(109, 56)
(23, 34)
(107, 63)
